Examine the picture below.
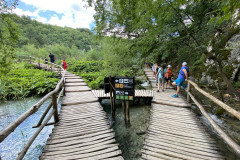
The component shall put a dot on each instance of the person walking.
(64, 64)
(161, 73)
(182, 77)
(52, 58)
(156, 76)
(46, 60)
(168, 76)
(154, 69)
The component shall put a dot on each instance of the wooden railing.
(54, 103)
(222, 134)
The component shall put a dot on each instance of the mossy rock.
(220, 111)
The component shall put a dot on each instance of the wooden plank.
(182, 132)
(173, 134)
(78, 98)
(182, 150)
(178, 153)
(180, 144)
(79, 144)
(94, 155)
(184, 142)
(80, 133)
(74, 80)
(73, 132)
(77, 89)
(79, 127)
(68, 151)
(76, 84)
(93, 136)
(149, 154)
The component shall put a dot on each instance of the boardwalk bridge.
(81, 129)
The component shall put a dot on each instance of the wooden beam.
(217, 101)
(222, 134)
(24, 151)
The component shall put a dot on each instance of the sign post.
(120, 88)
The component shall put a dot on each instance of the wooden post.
(54, 102)
(30, 60)
(188, 90)
(51, 66)
(127, 107)
(64, 93)
(114, 108)
(124, 109)
(111, 98)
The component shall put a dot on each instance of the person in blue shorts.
(182, 77)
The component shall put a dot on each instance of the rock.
(226, 96)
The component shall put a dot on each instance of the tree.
(175, 31)
(8, 34)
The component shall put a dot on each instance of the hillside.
(39, 34)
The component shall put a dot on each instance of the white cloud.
(74, 12)
(34, 14)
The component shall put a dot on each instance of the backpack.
(168, 73)
(162, 72)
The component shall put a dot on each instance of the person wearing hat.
(161, 72)
(168, 76)
(182, 77)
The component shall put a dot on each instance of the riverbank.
(24, 81)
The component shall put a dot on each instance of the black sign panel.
(124, 83)
(106, 85)
(124, 88)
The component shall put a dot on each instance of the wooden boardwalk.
(174, 131)
(83, 131)
(138, 94)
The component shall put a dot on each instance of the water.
(130, 137)
(230, 126)
(16, 141)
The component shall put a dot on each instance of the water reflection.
(129, 136)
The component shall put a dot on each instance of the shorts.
(168, 79)
(179, 82)
(161, 80)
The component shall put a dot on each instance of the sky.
(69, 13)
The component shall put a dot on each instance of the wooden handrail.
(24, 151)
(222, 134)
(217, 101)
(12, 126)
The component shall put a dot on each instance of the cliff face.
(234, 44)
(233, 60)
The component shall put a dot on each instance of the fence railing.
(54, 103)
(222, 134)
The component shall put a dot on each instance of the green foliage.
(228, 70)
(85, 66)
(8, 36)
(220, 111)
(22, 82)
(171, 32)
(40, 35)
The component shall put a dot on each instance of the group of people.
(164, 76)
(52, 60)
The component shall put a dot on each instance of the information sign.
(124, 88)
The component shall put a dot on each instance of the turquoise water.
(130, 137)
(16, 141)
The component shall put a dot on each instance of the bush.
(22, 82)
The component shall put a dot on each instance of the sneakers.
(175, 96)
(184, 86)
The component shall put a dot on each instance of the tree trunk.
(226, 80)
